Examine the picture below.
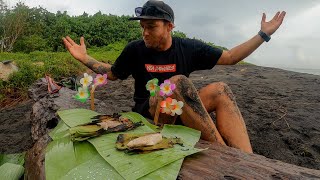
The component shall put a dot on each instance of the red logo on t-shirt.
(161, 68)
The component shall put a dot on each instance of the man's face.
(154, 32)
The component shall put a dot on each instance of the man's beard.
(155, 46)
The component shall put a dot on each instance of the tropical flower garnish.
(152, 86)
(83, 94)
(86, 81)
(171, 106)
(100, 80)
(176, 107)
(166, 88)
(165, 106)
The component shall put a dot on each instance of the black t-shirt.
(183, 57)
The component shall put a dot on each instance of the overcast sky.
(227, 23)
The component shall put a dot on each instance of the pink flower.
(100, 80)
(166, 88)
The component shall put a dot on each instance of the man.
(161, 56)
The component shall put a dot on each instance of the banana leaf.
(171, 171)
(166, 169)
(60, 131)
(139, 165)
(75, 117)
(190, 136)
(96, 168)
(11, 165)
(10, 171)
(81, 133)
(168, 172)
(67, 160)
(17, 158)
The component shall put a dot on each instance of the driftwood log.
(217, 162)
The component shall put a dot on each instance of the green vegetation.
(36, 64)
(24, 29)
(244, 63)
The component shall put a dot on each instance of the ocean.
(308, 71)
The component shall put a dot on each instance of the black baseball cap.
(154, 9)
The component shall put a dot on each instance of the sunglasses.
(151, 11)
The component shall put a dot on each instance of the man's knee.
(179, 78)
(220, 89)
(184, 86)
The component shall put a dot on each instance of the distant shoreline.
(303, 70)
(299, 70)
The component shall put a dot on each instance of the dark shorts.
(143, 109)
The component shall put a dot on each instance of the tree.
(12, 24)
(3, 11)
(179, 34)
(24, 29)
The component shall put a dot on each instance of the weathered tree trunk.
(44, 116)
(34, 160)
(217, 162)
(223, 162)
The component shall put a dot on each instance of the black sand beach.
(281, 109)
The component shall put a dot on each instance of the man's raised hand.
(270, 27)
(77, 51)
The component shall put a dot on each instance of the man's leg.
(194, 113)
(230, 124)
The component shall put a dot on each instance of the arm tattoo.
(97, 67)
(103, 70)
